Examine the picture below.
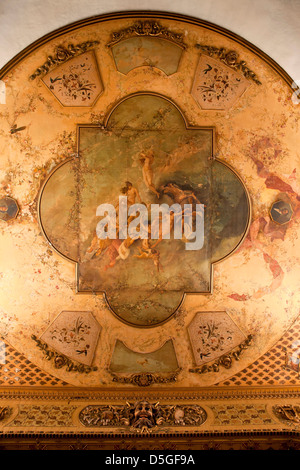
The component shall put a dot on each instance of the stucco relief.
(143, 416)
(258, 137)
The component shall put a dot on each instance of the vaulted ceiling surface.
(157, 109)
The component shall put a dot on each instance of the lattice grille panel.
(270, 369)
(16, 370)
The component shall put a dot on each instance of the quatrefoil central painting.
(147, 151)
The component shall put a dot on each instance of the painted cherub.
(148, 252)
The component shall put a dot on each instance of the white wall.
(271, 25)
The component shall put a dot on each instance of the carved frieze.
(146, 379)
(44, 415)
(5, 411)
(289, 414)
(241, 414)
(142, 416)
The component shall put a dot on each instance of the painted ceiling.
(162, 109)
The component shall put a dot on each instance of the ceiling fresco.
(155, 112)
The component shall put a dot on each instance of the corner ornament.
(146, 28)
(60, 360)
(226, 360)
(61, 55)
(290, 414)
(231, 59)
(5, 411)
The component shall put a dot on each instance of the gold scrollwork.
(145, 379)
(288, 413)
(4, 412)
(230, 58)
(61, 55)
(60, 360)
(146, 28)
(225, 360)
(142, 416)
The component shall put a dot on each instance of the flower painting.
(76, 82)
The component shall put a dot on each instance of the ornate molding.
(146, 379)
(247, 440)
(60, 360)
(230, 58)
(150, 28)
(142, 416)
(4, 412)
(216, 393)
(62, 54)
(225, 360)
(144, 14)
(290, 414)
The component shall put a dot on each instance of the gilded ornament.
(60, 360)
(230, 58)
(146, 28)
(146, 379)
(226, 360)
(61, 55)
(142, 416)
(288, 413)
(4, 412)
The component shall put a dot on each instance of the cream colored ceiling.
(256, 288)
(271, 25)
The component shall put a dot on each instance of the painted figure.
(146, 159)
(132, 193)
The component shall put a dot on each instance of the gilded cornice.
(118, 394)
